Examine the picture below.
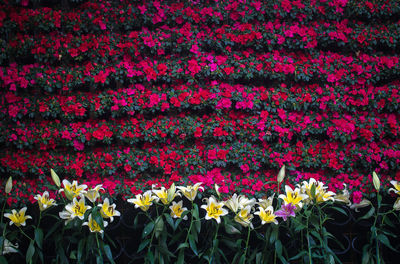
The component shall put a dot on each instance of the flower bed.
(215, 229)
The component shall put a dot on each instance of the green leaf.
(278, 247)
(39, 237)
(52, 229)
(313, 189)
(181, 257)
(107, 251)
(170, 221)
(194, 235)
(340, 210)
(97, 217)
(143, 245)
(81, 246)
(159, 226)
(150, 256)
(193, 245)
(274, 235)
(30, 252)
(99, 259)
(164, 250)
(147, 229)
(299, 255)
(384, 239)
(368, 214)
(230, 229)
(3, 260)
(183, 245)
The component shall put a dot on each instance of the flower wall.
(132, 93)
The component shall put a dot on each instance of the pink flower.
(224, 103)
(78, 145)
(286, 211)
(357, 197)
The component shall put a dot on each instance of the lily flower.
(190, 191)
(362, 204)
(343, 197)
(166, 196)
(94, 194)
(177, 210)
(266, 215)
(265, 203)
(108, 211)
(244, 216)
(294, 197)
(18, 218)
(93, 225)
(286, 211)
(44, 201)
(214, 209)
(320, 195)
(396, 189)
(143, 201)
(8, 247)
(237, 202)
(73, 190)
(75, 209)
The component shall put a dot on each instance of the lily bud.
(55, 178)
(376, 181)
(281, 174)
(216, 189)
(8, 185)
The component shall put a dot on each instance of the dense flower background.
(135, 93)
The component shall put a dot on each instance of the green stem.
(2, 210)
(20, 229)
(40, 218)
(190, 226)
(308, 242)
(98, 244)
(247, 244)
(213, 247)
(378, 259)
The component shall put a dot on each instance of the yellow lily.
(343, 197)
(295, 197)
(143, 201)
(93, 225)
(18, 218)
(73, 190)
(190, 191)
(93, 194)
(108, 211)
(44, 201)
(237, 202)
(166, 196)
(266, 215)
(244, 217)
(177, 210)
(265, 203)
(75, 209)
(214, 209)
(396, 189)
(321, 195)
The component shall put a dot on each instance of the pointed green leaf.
(147, 229)
(30, 252)
(107, 251)
(193, 245)
(39, 237)
(143, 245)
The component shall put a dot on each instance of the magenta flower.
(286, 211)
